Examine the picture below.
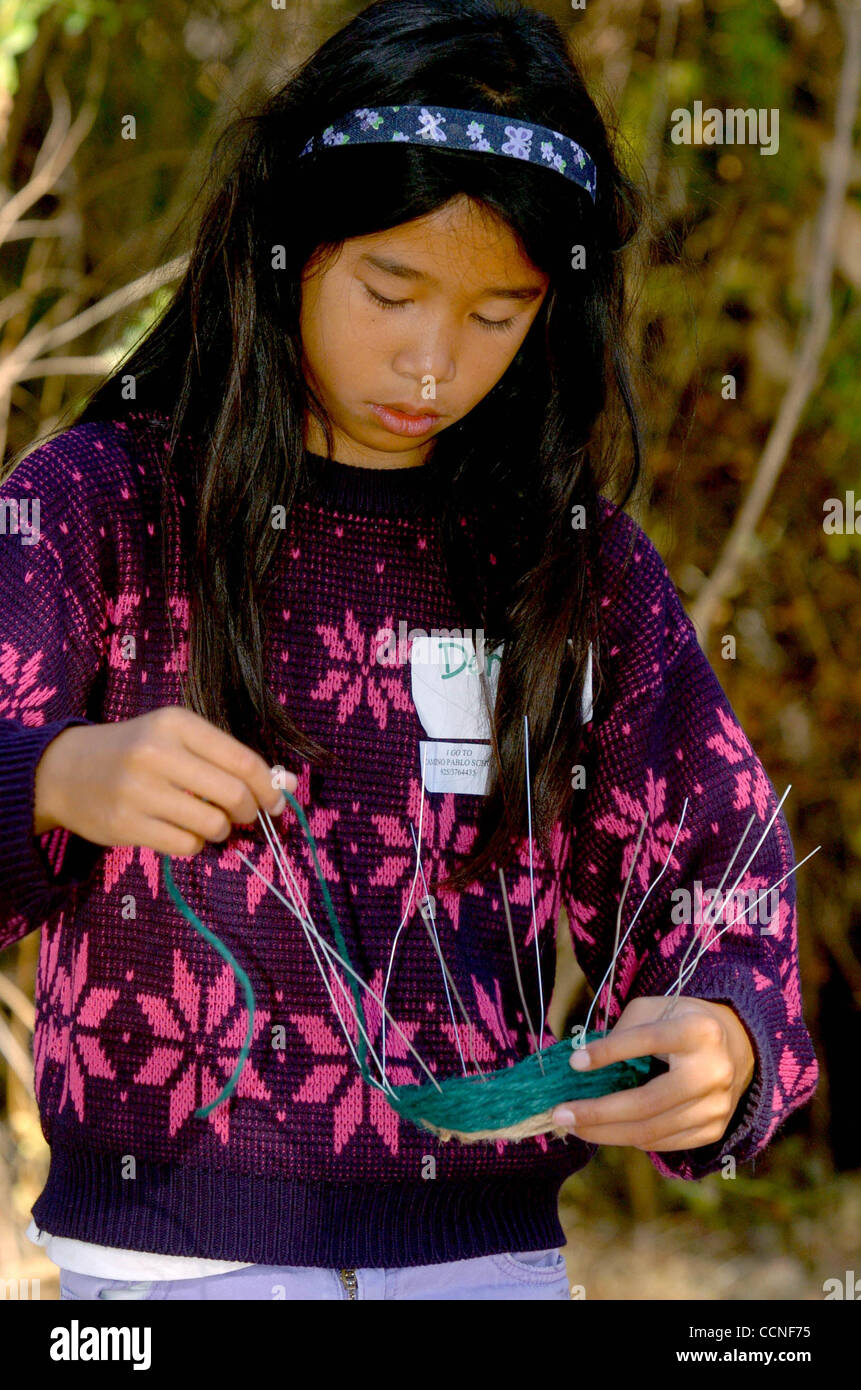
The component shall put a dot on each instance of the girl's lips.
(399, 422)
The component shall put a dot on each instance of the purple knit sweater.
(139, 1022)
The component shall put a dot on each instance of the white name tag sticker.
(455, 767)
(446, 688)
(447, 694)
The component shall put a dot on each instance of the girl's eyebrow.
(407, 272)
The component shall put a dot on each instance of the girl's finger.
(214, 745)
(688, 1139)
(688, 1032)
(230, 794)
(162, 837)
(646, 1134)
(187, 813)
(663, 1095)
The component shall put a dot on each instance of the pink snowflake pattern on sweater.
(659, 834)
(442, 837)
(352, 675)
(751, 783)
(333, 1064)
(120, 610)
(83, 1013)
(486, 1045)
(21, 694)
(714, 916)
(51, 1035)
(120, 858)
(182, 1059)
(539, 883)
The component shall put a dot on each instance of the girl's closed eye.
(493, 325)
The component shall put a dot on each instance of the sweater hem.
(220, 1215)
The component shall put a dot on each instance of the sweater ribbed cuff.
(36, 873)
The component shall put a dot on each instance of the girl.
(350, 483)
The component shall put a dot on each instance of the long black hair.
(224, 365)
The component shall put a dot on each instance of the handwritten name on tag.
(447, 693)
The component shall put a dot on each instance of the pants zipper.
(350, 1282)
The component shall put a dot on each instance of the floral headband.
(462, 130)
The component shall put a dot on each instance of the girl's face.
(425, 317)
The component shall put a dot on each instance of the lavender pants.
(532, 1274)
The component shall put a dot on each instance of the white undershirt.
(108, 1262)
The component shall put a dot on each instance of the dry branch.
(816, 326)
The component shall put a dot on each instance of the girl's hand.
(167, 780)
(711, 1064)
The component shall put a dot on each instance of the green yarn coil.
(513, 1094)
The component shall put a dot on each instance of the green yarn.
(506, 1097)
(497, 1100)
(240, 974)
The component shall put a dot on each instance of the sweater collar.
(363, 491)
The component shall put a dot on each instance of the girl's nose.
(433, 353)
